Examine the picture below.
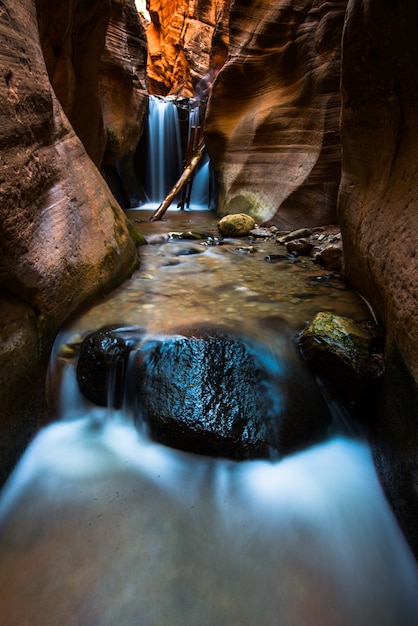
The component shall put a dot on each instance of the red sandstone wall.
(272, 127)
(378, 211)
(123, 98)
(63, 238)
(181, 38)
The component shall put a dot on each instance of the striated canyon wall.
(272, 126)
(96, 56)
(63, 237)
(183, 39)
(378, 211)
(124, 99)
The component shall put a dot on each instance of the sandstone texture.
(72, 38)
(124, 99)
(185, 39)
(63, 237)
(379, 219)
(272, 126)
(96, 62)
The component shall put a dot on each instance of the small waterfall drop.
(136, 533)
(164, 154)
(199, 196)
(164, 158)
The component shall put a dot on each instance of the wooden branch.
(184, 178)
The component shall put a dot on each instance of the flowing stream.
(101, 526)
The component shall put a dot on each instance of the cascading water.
(199, 197)
(100, 525)
(164, 159)
(164, 154)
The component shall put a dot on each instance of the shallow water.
(101, 526)
(193, 281)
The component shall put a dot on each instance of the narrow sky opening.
(141, 6)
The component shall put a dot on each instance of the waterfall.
(164, 154)
(98, 524)
(199, 197)
(164, 158)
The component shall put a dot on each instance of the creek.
(100, 525)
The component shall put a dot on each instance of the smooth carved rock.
(183, 39)
(124, 99)
(63, 238)
(272, 126)
(72, 39)
(379, 218)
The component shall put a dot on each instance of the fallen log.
(184, 178)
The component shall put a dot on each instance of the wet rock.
(394, 443)
(273, 258)
(246, 249)
(236, 225)
(221, 393)
(329, 256)
(295, 234)
(210, 390)
(186, 235)
(340, 350)
(261, 232)
(103, 362)
(302, 247)
(185, 250)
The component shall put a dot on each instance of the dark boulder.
(103, 362)
(211, 390)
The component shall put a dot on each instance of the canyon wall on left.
(63, 237)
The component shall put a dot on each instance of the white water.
(199, 197)
(100, 526)
(164, 156)
(164, 159)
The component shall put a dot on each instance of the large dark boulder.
(209, 390)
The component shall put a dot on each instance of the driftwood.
(184, 178)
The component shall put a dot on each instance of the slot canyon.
(309, 121)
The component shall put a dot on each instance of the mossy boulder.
(236, 225)
(344, 353)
